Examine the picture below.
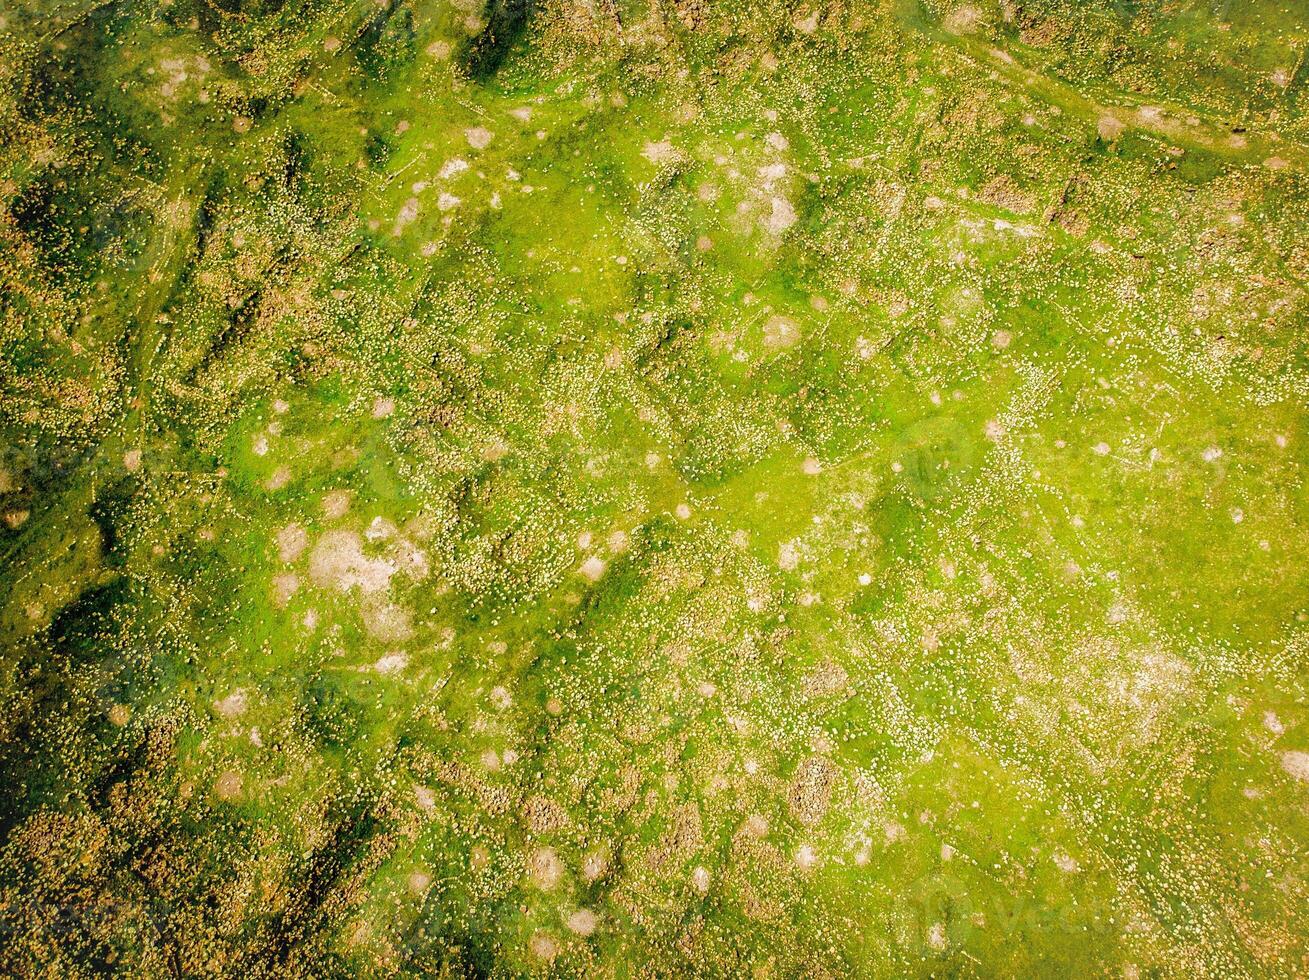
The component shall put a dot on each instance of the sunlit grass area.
(654, 488)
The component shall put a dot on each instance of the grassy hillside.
(654, 488)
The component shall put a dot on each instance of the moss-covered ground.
(654, 488)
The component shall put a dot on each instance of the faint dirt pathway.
(1183, 127)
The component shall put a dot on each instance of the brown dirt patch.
(338, 561)
(544, 868)
(229, 786)
(1296, 764)
(387, 622)
(292, 542)
(336, 503)
(284, 586)
(811, 790)
(582, 922)
(781, 331)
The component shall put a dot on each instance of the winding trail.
(1185, 128)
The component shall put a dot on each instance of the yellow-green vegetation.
(654, 488)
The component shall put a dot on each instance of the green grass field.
(654, 488)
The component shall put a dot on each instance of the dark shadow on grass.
(506, 22)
